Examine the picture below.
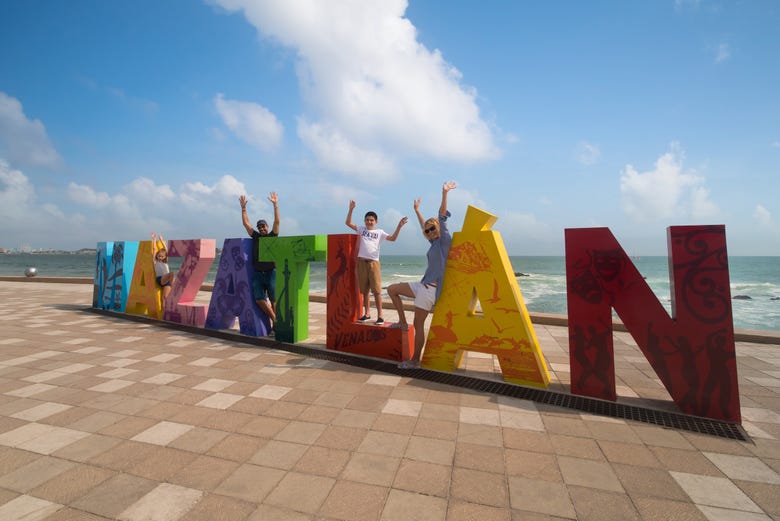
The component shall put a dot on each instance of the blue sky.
(122, 118)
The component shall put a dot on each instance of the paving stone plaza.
(102, 417)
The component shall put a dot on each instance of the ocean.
(542, 283)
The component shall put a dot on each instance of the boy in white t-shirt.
(368, 268)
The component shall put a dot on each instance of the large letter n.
(692, 352)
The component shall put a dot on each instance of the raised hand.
(449, 186)
(273, 198)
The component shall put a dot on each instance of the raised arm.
(348, 220)
(444, 189)
(275, 201)
(244, 216)
(401, 223)
(419, 215)
(154, 247)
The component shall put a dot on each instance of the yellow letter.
(478, 270)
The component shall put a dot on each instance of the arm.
(348, 221)
(444, 189)
(397, 229)
(275, 201)
(244, 216)
(419, 215)
(154, 248)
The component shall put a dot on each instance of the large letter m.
(692, 351)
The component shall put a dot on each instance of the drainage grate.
(667, 419)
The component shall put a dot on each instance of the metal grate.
(579, 403)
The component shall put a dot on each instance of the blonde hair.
(432, 220)
(164, 251)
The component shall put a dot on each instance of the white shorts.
(424, 295)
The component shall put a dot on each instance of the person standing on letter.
(264, 279)
(368, 267)
(162, 272)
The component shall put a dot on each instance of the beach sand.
(102, 417)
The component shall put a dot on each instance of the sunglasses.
(430, 230)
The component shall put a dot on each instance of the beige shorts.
(369, 276)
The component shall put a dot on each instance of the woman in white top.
(162, 272)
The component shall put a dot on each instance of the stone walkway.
(106, 418)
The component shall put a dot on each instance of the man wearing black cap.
(264, 281)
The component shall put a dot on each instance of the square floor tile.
(220, 400)
(27, 508)
(288, 492)
(162, 433)
(478, 416)
(714, 491)
(40, 411)
(270, 392)
(402, 407)
(166, 502)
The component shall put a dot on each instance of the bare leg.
(419, 332)
(166, 290)
(378, 301)
(267, 308)
(366, 304)
(395, 291)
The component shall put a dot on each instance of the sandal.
(409, 364)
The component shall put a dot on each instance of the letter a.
(478, 270)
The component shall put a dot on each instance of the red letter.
(692, 352)
(344, 333)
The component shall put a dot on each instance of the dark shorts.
(159, 281)
(264, 285)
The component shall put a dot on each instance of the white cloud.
(145, 188)
(372, 89)
(251, 122)
(81, 215)
(336, 152)
(25, 221)
(665, 193)
(702, 208)
(16, 192)
(587, 153)
(762, 215)
(722, 52)
(87, 196)
(24, 141)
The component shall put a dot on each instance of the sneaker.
(364, 318)
(380, 320)
(409, 364)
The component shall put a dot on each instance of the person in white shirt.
(162, 272)
(368, 267)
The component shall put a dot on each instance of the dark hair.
(371, 214)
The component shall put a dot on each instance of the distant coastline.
(82, 251)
